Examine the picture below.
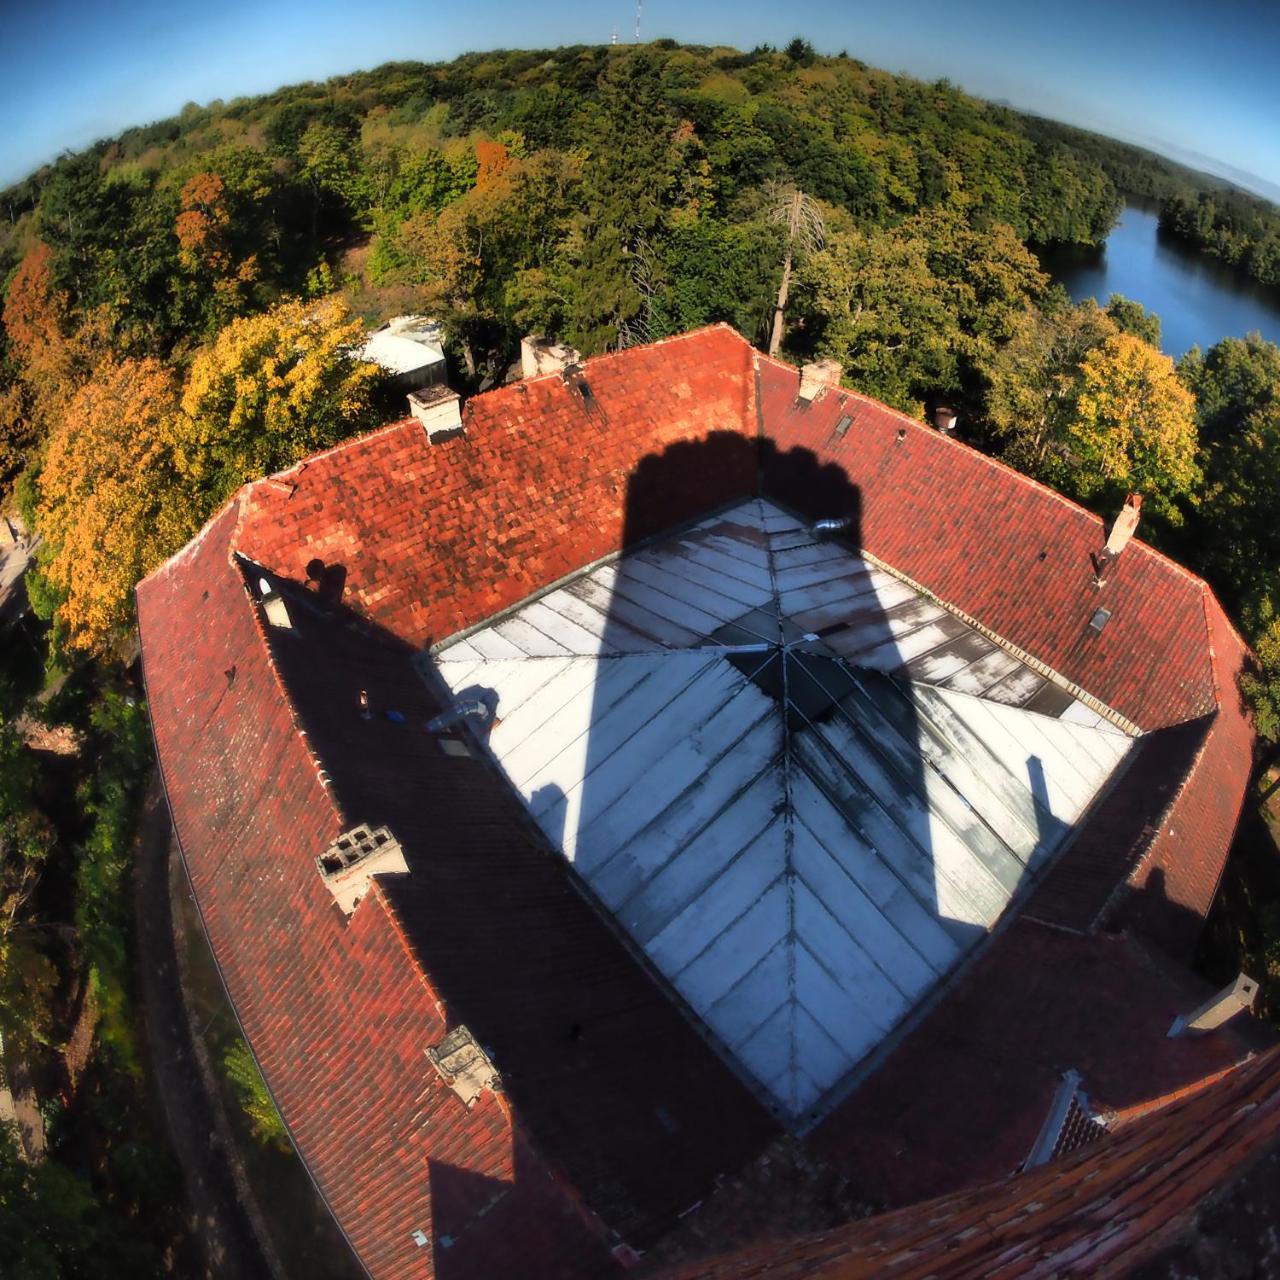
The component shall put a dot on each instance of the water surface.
(1198, 299)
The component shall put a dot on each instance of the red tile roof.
(1099, 1213)
(1016, 557)
(615, 1117)
(965, 1092)
(437, 537)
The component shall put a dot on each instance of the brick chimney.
(438, 409)
(818, 378)
(539, 355)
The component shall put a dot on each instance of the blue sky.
(1191, 79)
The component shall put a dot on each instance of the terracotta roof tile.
(1099, 1213)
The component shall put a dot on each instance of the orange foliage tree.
(205, 249)
(110, 502)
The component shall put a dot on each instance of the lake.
(1198, 299)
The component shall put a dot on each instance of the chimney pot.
(945, 419)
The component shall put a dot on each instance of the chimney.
(354, 858)
(463, 1065)
(817, 378)
(273, 605)
(1217, 1009)
(539, 355)
(1125, 526)
(945, 419)
(438, 410)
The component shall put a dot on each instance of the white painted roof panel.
(804, 832)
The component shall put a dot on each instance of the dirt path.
(231, 1248)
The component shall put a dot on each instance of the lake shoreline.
(1199, 300)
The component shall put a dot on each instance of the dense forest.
(180, 308)
(1232, 225)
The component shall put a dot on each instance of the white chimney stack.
(818, 378)
(1125, 526)
(1217, 1009)
(539, 355)
(438, 410)
(354, 858)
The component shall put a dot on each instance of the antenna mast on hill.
(639, 6)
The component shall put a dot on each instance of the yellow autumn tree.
(110, 502)
(267, 391)
(1134, 425)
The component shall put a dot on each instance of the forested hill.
(661, 142)
(181, 302)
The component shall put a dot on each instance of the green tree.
(1031, 379)
(628, 179)
(1132, 317)
(264, 1120)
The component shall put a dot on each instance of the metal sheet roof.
(802, 787)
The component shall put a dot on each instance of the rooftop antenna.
(639, 6)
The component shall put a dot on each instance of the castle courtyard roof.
(569, 819)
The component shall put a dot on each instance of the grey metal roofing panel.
(804, 832)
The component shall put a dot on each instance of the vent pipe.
(471, 709)
(829, 528)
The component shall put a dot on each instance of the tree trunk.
(468, 357)
(775, 338)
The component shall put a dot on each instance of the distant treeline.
(1208, 213)
(1232, 225)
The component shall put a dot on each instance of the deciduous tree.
(268, 390)
(1134, 425)
(111, 503)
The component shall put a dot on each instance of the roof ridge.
(999, 463)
